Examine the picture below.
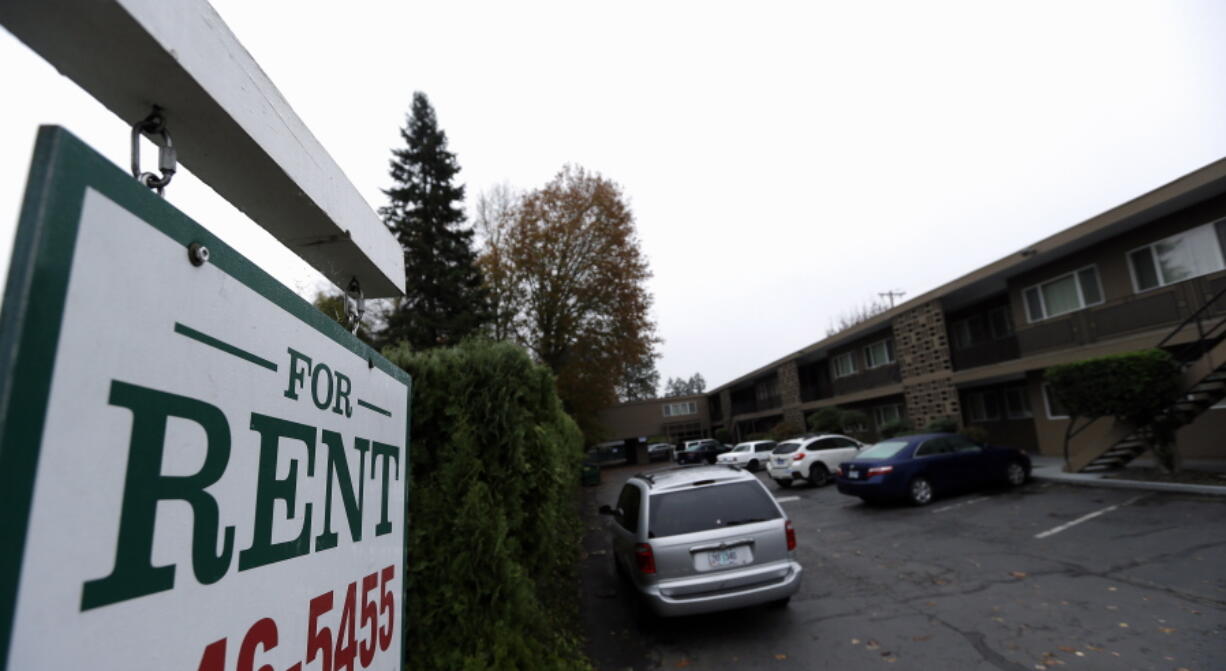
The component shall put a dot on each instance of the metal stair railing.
(1184, 354)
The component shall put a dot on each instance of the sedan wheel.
(784, 483)
(920, 492)
(1015, 474)
(753, 465)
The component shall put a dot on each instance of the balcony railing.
(874, 377)
(986, 353)
(1134, 313)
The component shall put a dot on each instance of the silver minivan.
(701, 539)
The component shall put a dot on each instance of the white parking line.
(785, 499)
(959, 505)
(1083, 518)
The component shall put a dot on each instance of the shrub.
(494, 532)
(784, 430)
(1136, 388)
(942, 425)
(976, 433)
(826, 420)
(853, 420)
(894, 427)
(723, 435)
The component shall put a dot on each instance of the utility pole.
(892, 295)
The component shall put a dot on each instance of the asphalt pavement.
(1046, 576)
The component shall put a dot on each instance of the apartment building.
(1150, 272)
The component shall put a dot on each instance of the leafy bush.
(1135, 388)
(853, 421)
(826, 420)
(976, 433)
(942, 425)
(494, 533)
(784, 430)
(723, 435)
(894, 427)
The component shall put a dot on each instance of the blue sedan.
(916, 468)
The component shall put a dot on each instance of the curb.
(1097, 481)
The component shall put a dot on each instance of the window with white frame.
(879, 353)
(983, 406)
(843, 365)
(1017, 403)
(1067, 293)
(884, 414)
(679, 409)
(1055, 410)
(1194, 252)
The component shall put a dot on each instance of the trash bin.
(590, 474)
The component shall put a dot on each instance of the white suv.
(811, 458)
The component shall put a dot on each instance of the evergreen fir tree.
(444, 299)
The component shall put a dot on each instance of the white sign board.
(200, 470)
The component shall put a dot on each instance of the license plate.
(854, 475)
(726, 558)
(780, 462)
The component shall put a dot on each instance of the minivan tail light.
(791, 535)
(799, 456)
(879, 470)
(645, 557)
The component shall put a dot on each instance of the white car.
(811, 458)
(751, 455)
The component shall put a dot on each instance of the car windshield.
(883, 450)
(786, 448)
(700, 509)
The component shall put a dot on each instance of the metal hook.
(154, 125)
(355, 304)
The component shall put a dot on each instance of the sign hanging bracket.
(154, 127)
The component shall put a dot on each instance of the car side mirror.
(606, 510)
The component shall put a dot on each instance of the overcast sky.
(785, 161)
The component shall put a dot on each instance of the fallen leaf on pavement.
(921, 638)
(1123, 625)
(1017, 574)
(781, 656)
(1166, 630)
(872, 645)
(855, 641)
(1066, 648)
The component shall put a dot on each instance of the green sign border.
(62, 169)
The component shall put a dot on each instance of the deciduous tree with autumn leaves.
(563, 264)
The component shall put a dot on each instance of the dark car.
(701, 451)
(917, 468)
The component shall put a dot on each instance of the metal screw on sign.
(154, 126)
(198, 254)
(355, 304)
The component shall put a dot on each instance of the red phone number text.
(344, 651)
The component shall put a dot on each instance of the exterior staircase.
(1202, 363)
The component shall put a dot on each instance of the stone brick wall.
(929, 400)
(921, 346)
(789, 383)
(921, 341)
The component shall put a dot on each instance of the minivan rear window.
(786, 448)
(703, 508)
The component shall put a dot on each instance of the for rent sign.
(198, 469)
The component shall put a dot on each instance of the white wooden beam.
(230, 125)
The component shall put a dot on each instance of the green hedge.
(1135, 387)
(494, 532)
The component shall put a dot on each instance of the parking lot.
(1043, 576)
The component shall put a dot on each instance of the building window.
(879, 353)
(983, 406)
(1055, 410)
(978, 329)
(1182, 256)
(884, 414)
(1017, 403)
(843, 365)
(679, 409)
(1067, 293)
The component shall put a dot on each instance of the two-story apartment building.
(1150, 272)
